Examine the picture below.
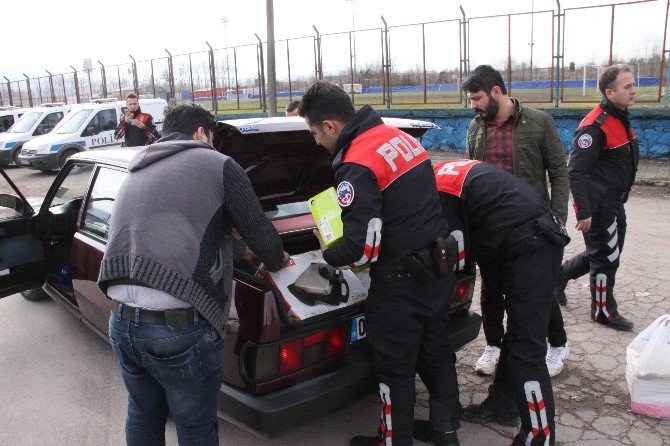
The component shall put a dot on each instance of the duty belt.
(517, 234)
(395, 263)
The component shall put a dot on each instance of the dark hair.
(292, 106)
(323, 101)
(609, 75)
(483, 78)
(132, 96)
(186, 117)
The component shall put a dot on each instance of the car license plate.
(357, 328)
(24, 162)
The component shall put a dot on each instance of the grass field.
(572, 98)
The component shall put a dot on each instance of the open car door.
(22, 259)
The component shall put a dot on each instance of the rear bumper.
(270, 414)
(41, 161)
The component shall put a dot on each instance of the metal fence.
(405, 65)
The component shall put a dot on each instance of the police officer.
(378, 171)
(517, 243)
(602, 168)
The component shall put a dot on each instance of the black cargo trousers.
(525, 274)
(408, 327)
(604, 243)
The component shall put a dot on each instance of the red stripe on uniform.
(600, 289)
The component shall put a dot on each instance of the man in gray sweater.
(168, 266)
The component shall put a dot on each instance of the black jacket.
(603, 159)
(135, 136)
(495, 202)
(386, 189)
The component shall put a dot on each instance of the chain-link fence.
(543, 56)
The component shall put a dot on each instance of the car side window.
(48, 123)
(102, 121)
(98, 213)
(74, 185)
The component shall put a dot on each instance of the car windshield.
(26, 122)
(73, 121)
(286, 210)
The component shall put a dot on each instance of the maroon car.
(278, 371)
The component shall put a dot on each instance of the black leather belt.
(520, 233)
(395, 264)
(159, 317)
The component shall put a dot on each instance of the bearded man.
(525, 143)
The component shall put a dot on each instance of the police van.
(33, 123)
(88, 127)
(9, 114)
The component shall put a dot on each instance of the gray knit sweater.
(172, 221)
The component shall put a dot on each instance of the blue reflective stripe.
(57, 147)
(9, 145)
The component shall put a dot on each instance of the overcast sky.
(44, 34)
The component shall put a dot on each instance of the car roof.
(296, 123)
(121, 157)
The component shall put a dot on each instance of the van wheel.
(64, 157)
(34, 294)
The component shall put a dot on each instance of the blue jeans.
(167, 371)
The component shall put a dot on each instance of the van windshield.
(26, 122)
(73, 121)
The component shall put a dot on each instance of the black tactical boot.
(424, 432)
(361, 440)
(618, 323)
(480, 414)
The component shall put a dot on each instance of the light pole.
(224, 22)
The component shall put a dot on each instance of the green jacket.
(537, 151)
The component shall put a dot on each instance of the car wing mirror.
(12, 202)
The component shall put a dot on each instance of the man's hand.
(128, 117)
(287, 260)
(137, 123)
(250, 258)
(322, 245)
(583, 225)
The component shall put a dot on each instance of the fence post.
(62, 80)
(190, 70)
(318, 66)
(464, 59)
(76, 84)
(18, 85)
(136, 83)
(170, 75)
(30, 92)
(9, 91)
(104, 79)
(667, 82)
(261, 64)
(558, 51)
(212, 79)
(386, 67)
(51, 86)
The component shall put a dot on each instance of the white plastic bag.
(648, 369)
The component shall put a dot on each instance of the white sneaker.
(556, 357)
(486, 365)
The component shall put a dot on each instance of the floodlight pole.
(272, 69)
(464, 60)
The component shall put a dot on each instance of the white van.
(9, 114)
(88, 127)
(34, 122)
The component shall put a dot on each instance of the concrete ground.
(59, 383)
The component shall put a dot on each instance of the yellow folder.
(327, 215)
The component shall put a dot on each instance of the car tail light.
(264, 362)
(461, 291)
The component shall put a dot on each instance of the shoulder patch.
(345, 193)
(585, 141)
